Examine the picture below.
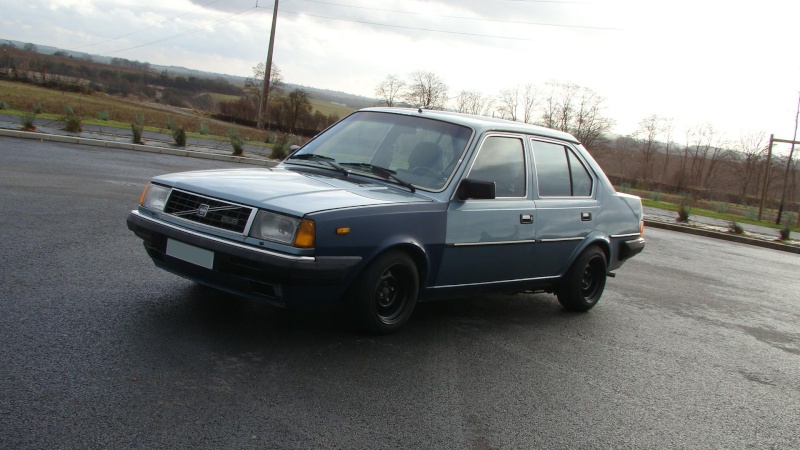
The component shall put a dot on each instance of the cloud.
(699, 60)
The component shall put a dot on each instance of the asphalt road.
(695, 344)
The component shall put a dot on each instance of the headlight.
(155, 197)
(283, 229)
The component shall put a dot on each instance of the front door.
(491, 241)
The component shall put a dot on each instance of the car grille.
(208, 211)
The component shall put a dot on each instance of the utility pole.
(263, 106)
(766, 177)
(788, 165)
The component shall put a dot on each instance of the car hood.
(289, 191)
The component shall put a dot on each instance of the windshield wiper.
(319, 158)
(383, 173)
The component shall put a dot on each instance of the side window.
(559, 171)
(502, 160)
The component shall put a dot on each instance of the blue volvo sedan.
(391, 206)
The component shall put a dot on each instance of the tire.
(582, 286)
(383, 297)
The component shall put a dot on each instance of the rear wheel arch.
(584, 282)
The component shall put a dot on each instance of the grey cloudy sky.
(733, 64)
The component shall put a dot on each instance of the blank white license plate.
(190, 253)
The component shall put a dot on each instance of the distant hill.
(336, 97)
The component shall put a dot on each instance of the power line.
(147, 28)
(243, 13)
(414, 28)
(450, 17)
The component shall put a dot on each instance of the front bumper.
(240, 268)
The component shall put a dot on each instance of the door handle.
(586, 216)
(526, 218)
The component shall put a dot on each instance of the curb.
(775, 245)
(135, 147)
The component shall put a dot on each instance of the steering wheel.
(426, 172)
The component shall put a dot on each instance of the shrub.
(750, 215)
(179, 135)
(684, 211)
(271, 137)
(721, 209)
(72, 121)
(138, 126)
(103, 115)
(27, 121)
(236, 141)
(203, 129)
(4, 106)
(735, 228)
(785, 233)
(37, 108)
(656, 196)
(171, 124)
(625, 188)
(283, 142)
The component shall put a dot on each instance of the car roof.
(480, 124)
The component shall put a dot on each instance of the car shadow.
(213, 311)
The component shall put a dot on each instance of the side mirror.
(476, 189)
(293, 149)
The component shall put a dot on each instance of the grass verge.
(715, 215)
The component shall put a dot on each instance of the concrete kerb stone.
(775, 245)
(134, 147)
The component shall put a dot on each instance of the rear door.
(566, 204)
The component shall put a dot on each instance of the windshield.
(415, 150)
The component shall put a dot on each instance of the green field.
(122, 112)
(328, 108)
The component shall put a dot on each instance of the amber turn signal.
(305, 234)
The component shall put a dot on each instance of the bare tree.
(254, 86)
(718, 154)
(473, 102)
(590, 124)
(426, 90)
(702, 137)
(649, 129)
(622, 148)
(298, 105)
(577, 110)
(508, 102)
(530, 99)
(750, 152)
(388, 91)
(681, 175)
(669, 146)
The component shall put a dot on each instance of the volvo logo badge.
(202, 210)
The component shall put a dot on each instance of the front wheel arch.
(383, 295)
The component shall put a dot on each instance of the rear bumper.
(631, 248)
(240, 268)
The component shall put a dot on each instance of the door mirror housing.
(476, 189)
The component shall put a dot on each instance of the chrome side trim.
(479, 244)
(490, 283)
(562, 239)
(226, 242)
